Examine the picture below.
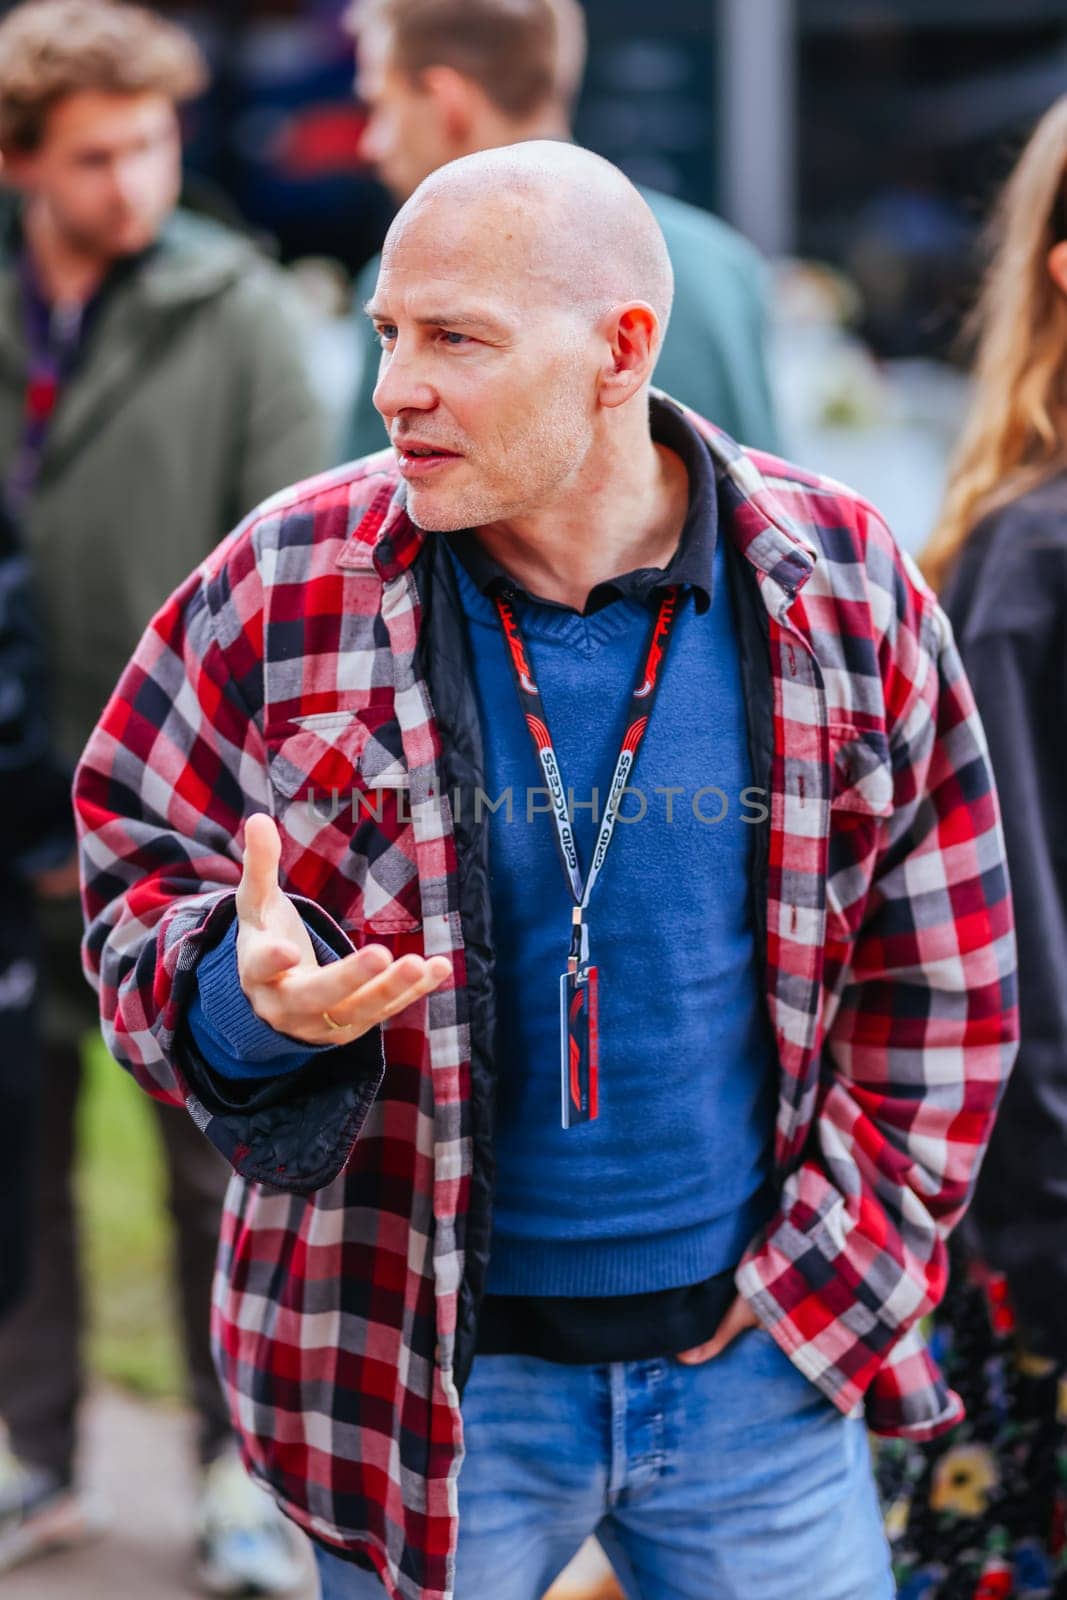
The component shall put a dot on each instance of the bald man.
(441, 79)
(555, 861)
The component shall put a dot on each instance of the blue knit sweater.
(669, 1185)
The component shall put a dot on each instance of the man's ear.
(633, 337)
(458, 102)
(1057, 265)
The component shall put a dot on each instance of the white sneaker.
(39, 1514)
(244, 1544)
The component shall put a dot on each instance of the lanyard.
(641, 702)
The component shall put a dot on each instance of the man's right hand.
(280, 973)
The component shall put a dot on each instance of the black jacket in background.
(36, 812)
(1007, 600)
(36, 831)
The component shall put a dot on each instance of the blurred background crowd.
(855, 145)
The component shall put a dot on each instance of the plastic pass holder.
(579, 1033)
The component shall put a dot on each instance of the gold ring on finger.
(334, 1027)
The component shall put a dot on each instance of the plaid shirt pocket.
(861, 798)
(340, 792)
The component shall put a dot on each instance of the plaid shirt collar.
(382, 537)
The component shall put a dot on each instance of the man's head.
(521, 304)
(88, 120)
(442, 79)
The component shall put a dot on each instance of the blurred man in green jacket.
(152, 390)
(444, 78)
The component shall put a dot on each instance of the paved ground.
(138, 1455)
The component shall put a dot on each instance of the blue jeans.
(734, 1480)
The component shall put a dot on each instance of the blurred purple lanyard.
(55, 336)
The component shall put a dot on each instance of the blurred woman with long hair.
(983, 1514)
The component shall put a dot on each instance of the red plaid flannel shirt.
(287, 665)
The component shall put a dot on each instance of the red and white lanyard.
(580, 1047)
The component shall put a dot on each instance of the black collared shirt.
(689, 568)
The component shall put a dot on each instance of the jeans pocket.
(771, 1367)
